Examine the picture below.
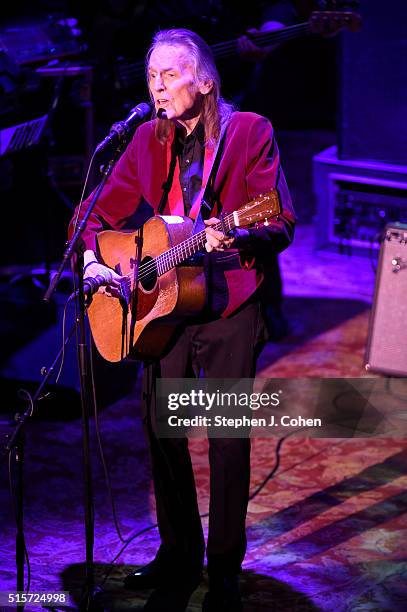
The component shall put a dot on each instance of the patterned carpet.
(326, 533)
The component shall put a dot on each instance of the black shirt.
(190, 153)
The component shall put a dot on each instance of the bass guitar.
(322, 23)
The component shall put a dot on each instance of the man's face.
(172, 83)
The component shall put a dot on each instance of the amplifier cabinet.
(355, 201)
(387, 340)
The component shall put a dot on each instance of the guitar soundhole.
(148, 274)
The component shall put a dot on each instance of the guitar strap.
(208, 198)
(166, 187)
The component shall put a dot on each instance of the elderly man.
(196, 135)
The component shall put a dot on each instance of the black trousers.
(224, 348)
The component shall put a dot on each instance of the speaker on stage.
(386, 348)
(373, 85)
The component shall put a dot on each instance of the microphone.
(92, 284)
(120, 130)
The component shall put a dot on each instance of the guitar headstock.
(329, 23)
(265, 206)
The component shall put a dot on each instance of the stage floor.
(326, 533)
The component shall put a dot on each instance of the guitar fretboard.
(264, 207)
(132, 72)
(179, 253)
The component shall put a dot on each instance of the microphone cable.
(252, 495)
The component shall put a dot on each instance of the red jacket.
(249, 166)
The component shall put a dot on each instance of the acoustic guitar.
(162, 284)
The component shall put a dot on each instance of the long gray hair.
(215, 110)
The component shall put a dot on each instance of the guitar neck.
(262, 208)
(132, 72)
(262, 39)
(182, 251)
(324, 23)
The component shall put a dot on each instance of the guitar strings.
(222, 49)
(158, 264)
(178, 250)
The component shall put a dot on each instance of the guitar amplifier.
(387, 342)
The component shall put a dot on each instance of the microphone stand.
(90, 594)
(17, 441)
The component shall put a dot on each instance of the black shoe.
(223, 595)
(173, 598)
(150, 576)
(163, 572)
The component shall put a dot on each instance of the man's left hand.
(215, 240)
